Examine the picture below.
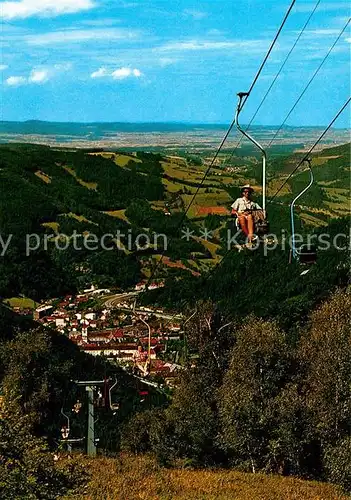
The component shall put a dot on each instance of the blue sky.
(170, 60)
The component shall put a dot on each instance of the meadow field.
(130, 477)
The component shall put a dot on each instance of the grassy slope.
(130, 477)
(21, 303)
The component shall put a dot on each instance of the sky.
(171, 60)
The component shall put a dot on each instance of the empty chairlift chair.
(305, 254)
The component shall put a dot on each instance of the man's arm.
(234, 212)
(235, 207)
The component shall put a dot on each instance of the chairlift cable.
(225, 136)
(311, 149)
(309, 83)
(215, 269)
(218, 265)
(275, 78)
(269, 51)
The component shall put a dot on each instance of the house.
(140, 286)
(60, 322)
(42, 311)
(101, 291)
(114, 350)
(90, 315)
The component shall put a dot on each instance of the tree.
(192, 419)
(325, 357)
(27, 468)
(258, 371)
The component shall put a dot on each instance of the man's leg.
(250, 225)
(140, 367)
(243, 224)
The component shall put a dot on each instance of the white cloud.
(195, 14)
(3, 67)
(39, 76)
(27, 8)
(215, 32)
(323, 7)
(210, 45)
(67, 36)
(321, 32)
(118, 74)
(122, 73)
(99, 73)
(348, 40)
(15, 81)
(166, 61)
(63, 67)
(108, 21)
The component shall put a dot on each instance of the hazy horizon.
(170, 122)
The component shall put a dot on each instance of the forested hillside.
(54, 194)
(265, 361)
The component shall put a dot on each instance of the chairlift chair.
(65, 432)
(142, 395)
(305, 254)
(113, 406)
(261, 226)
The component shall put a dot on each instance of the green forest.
(265, 384)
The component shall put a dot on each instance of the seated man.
(141, 361)
(247, 211)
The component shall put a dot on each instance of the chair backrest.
(262, 227)
(307, 254)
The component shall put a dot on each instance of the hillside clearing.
(324, 159)
(21, 303)
(123, 160)
(43, 176)
(120, 214)
(88, 185)
(55, 226)
(79, 218)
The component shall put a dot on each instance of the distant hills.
(174, 138)
(100, 129)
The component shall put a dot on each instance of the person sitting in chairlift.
(244, 209)
(141, 361)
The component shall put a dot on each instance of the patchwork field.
(219, 198)
(183, 177)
